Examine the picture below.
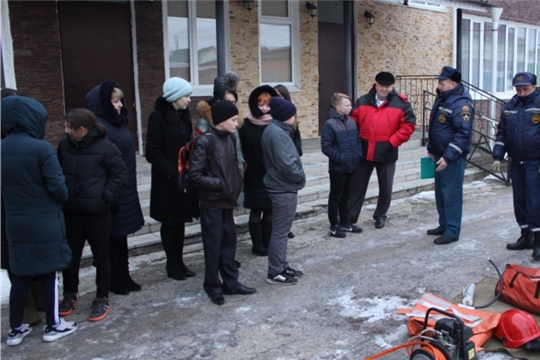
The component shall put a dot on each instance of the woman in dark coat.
(95, 173)
(34, 189)
(107, 102)
(170, 128)
(255, 195)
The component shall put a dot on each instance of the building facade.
(56, 51)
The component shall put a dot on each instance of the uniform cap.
(523, 79)
(448, 72)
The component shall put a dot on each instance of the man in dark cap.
(284, 177)
(214, 173)
(450, 135)
(518, 135)
(385, 120)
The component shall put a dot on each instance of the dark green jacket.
(34, 189)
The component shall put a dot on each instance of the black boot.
(179, 249)
(536, 246)
(167, 240)
(266, 233)
(117, 280)
(525, 241)
(255, 231)
(122, 255)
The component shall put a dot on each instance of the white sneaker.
(15, 337)
(54, 333)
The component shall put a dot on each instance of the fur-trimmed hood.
(167, 111)
(203, 108)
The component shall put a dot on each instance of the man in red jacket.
(385, 120)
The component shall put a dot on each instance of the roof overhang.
(473, 5)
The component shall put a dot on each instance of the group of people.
(55, 202)
(87, 189)
(366, 138)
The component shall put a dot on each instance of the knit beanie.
(281, 109)
(223, 110)
(175, 87)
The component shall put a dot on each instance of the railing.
(421, 91)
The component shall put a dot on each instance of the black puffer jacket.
(94, 170)
(216, 175)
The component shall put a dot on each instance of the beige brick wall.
(244, 30)
(403, 40)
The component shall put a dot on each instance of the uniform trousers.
(96, 229)
(526, 192)
(338, 199)
(449, 196)
(284, 209)
(19, 293)
(219, 244)
(359, 186)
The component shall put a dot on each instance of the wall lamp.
(370, 19)
(312, 9)
(248, 4)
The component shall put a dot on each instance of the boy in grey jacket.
(284, 177)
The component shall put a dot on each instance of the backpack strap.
(211, 144)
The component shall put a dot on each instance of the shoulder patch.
(465, 113)
(404, 98)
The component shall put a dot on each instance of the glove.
(497, 166)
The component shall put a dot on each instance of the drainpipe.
(220, 37)
(495, 16)
(347, 28)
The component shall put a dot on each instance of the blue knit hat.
(281, 109)
(175, 87)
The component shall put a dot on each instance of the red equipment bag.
(521, 287)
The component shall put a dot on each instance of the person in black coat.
(170, 128)
(255, 196)
(95, 174)
(107, 102)
(34, 189)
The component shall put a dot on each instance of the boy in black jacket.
(218, 182)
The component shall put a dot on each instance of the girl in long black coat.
(170, 128)
(107, 102)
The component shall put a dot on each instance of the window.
(518, 49)
(191, 42)
(278, 42)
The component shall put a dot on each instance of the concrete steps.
(312, 199)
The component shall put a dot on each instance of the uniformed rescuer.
(450, 135)
(518, 134)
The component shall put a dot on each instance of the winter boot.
(122, 255)
(179, 252)
(536, 246)
(255, 231)
(117, 277)
(168, 239)
(525, 241)
(266, 233)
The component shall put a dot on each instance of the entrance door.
(331, 54)
(96, 45)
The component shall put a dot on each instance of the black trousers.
(95, 228)
(219, 243)
(19, 292)
(360, 182)
(338, 199)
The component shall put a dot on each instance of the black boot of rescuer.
(525, 241)
(536, 246)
